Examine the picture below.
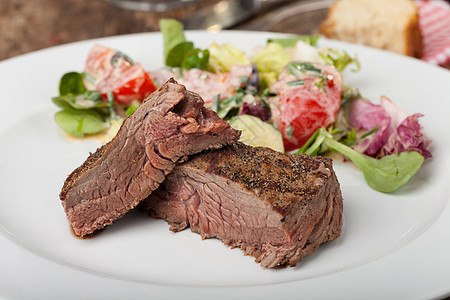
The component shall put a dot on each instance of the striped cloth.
(434, 22)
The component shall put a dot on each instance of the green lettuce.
(82, 112)
(223, 57)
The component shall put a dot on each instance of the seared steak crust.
(277, 207)
(171, 124)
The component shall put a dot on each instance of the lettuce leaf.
(271, 58)
(222, 58)
(370, 117)
(408, 136)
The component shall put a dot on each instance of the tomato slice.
(109, 70)
(133, 83)
(306, 107)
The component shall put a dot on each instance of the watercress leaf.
(80, 122)
(197, 59)
(71, 83)
(291, 41)
(176, 55)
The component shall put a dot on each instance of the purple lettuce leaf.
(408, 136)
(368, 116)
(396, 132)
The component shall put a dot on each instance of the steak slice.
(277, 207)
(171, 124)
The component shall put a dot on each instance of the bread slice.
(387, 24)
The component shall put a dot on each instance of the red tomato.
(128, 85)
(307, 107)
(108, 70)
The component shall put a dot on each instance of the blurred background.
(29, 25)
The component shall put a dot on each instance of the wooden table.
(28, 25)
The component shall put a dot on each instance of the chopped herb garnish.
(323, 82)
(350, 139)
(296, 82)
(180, 72)
(230, 106)
(289, 131)
(265, 93)
(266, 104)
(243, 79)
(296, 68)
(369, 132)
(339, 59)
(216, 103)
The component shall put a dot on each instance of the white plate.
(393, 245)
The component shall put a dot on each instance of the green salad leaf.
(196, 58)
(271, 58)
(230, 106)
(71, 83)
(86, 100)
(173, 34)
(176, 55)
(83, 112)
(81, 122)
(223, 57)
(177, 51)
(386, 174)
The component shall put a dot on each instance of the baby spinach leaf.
(176, 55)
(177, 51)
(87, 100)
(80, 122)
(196, 58)
(71, 83)
(83, 112)
(173, 34)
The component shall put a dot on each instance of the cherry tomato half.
(109, 70)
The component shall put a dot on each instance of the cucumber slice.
(255, 132)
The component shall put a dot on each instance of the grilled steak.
(169, 125)
(277, 207)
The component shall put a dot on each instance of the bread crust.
(408, 33)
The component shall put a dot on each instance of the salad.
(288, 95)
